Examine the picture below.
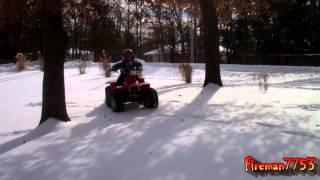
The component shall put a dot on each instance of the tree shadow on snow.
(170, 88)
(200, 140)
(30, 136)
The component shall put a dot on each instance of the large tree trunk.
(211, 42)
(53, 98)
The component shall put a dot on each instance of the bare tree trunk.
(76, 45)
(194, 41)
(140, 33)
(2, 14)
(94, 43)
(128, 24)
(84, 37)
(53, 98)
(180, 29)
(211, 42)
(172, 42)
(161, 38)
(192, 49)
(200, 42)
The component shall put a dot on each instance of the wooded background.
(251, 28)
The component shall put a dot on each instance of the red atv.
(134, 89)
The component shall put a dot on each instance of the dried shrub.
(21, 63)
(262, 79)
(105, 64)
(185, 70)
(83, 64)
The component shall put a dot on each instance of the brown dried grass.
(185, 70)
(21, 63)
(40, 61)
(105, 65)
(83, 64)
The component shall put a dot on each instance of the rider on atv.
(128, 63)
(130, 86)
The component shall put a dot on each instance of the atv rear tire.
(116, 103)
(108, 100)
(151, 99)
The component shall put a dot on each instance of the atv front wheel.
(116, 103)
(151, 99)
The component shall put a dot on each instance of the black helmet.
(128, 53)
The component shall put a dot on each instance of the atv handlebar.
(131, 71)
(135, 72)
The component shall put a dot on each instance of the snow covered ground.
(195, 134)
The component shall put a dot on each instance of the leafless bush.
(40, 61)
(185, 70)
(21, 63)
(105, 64)
(262, 79)
(83, 63)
